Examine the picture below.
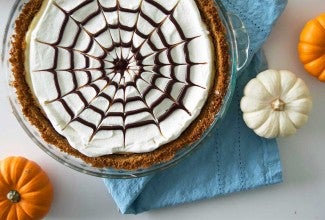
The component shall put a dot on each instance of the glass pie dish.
(238, 43)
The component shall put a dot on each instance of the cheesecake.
(119, 83)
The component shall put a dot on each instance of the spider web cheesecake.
(120, 83)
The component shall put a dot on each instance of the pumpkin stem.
(278, 105)
(13, 196)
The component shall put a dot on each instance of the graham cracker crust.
(132, 161)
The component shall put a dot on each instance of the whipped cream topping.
(116, 76)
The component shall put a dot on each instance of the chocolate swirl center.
(121, 65)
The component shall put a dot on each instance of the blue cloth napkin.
(231, 158)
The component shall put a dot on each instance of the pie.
(120, 83)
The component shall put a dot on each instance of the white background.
(300, 196)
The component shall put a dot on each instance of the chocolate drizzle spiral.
(121, 66)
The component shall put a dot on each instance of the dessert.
(122, 84)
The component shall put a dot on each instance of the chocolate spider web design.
(113, 75)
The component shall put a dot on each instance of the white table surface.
(300, 196)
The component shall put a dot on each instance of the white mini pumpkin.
(276, 103)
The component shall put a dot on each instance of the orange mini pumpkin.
(311, 47)
(25, 190)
